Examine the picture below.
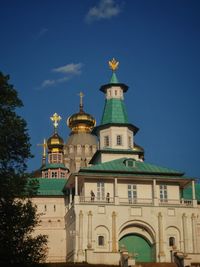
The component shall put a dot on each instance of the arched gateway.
(138, 238)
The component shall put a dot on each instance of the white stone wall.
(52, 224)
(112, 132)
(140, 220)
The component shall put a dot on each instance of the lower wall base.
(109, 258)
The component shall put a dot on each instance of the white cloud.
(69, 69)
(106, 9)
(47, 83)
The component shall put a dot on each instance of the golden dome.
(55, 143)
(138, 148)
(81, 121)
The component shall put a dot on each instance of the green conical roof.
(114, 78)
(114, 112)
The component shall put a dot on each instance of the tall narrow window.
(106, 141)
(101, 240)
(132, 193)
(100, 191)
(171, 241)
(54, 174)
(119, 140)
(163, 193)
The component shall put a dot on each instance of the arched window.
(171, 241)
(101, 240)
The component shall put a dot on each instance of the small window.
(171, 241)
(101, 241)
(45, 207)
(116, 92)
(62, 174)
(106, 141)
(54, 208)
(163, 193)
(119, 140)
(130, 163)
(54, 174)
(46, 174)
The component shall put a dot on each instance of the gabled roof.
(50, 187)
(119, 166)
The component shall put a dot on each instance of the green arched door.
(137, 244)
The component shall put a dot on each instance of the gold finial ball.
(113, 64)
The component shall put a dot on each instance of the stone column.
(70, 196)
(194, 201)
(116, 198)
(116, 188)
(114, 238)
(154, 193)
(80, 236)
(89, 245)
(194, 233)
(76, 185)
(193, 190)
(185, 233)
(160, 236)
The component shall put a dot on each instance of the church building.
(99, 197)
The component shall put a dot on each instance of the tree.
(18, 216)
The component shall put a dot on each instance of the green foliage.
(18, 217)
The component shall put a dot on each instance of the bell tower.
(116, 134)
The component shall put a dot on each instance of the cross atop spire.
(55, 118)
(81, 100)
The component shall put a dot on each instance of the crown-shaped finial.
(113, 64)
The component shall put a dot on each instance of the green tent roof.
(50, 187)
(114, 112)
(120, 165)
(114, 78)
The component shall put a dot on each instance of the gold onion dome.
(81, 121)
(55, 143)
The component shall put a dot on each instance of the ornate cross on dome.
(81, 101)
(113, 64)
(55, 118)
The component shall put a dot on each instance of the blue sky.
(55, 49)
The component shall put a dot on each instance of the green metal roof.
(114, 112)
(54, 166)
(114, 78)
(187, 193)
(119, 165)
(50, 187)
